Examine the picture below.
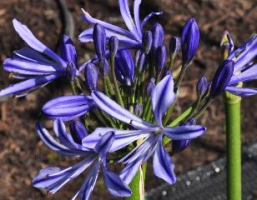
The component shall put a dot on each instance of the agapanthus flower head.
(221, 78)
(54, 178)
(189, 40)
(37, 65)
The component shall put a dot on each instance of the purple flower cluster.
(121, 106)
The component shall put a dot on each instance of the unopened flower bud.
(189, 40)
(158, 36)
(160, 57)
(174, 45)
(150, 87)
(222, 78)
(147, 41)
(141, 62)
(78, 131)
(201, 86)
(91, 75)
(124, 67)
(113, 45)
(71, 71)
(99, 37)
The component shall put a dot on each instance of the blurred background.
(22, 154)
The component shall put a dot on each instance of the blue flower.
(162, 97)
(131, 38)
(37, 65)
(245, 68)
(54, 178)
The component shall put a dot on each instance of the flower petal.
(162, 97)
(34, 43)
(88, 186)
(115, 185)
(136, 11)
(27, 67)
(87, 36)
(124, 11)
(122, 137)
(29, 84)
(186, 132)
(149, 16)
(162, 164)
(243, 92)
(53, 178)
(115, 110)
(56, 146)
(68, 107)
(128, 173)
(87, 18)
(103, 146)
(68, 51)
(248, 75)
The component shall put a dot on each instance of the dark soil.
(22, 154)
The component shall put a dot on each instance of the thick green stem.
(233, 129)
(137, 185)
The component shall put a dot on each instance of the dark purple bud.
(91, 76)
(137, 56)
(190, 40)
(141, 62)
(221, 78)
(105, 66)
(138, 109)
(158, 36)
(179, 145)
(150, 87)
(78, 131)
(113, 45)
(124, 67)
(160, 57)
(201, 86)
(167, 72)
(99, 37)
(71, 71)
(174, 45)
(227, 42)
(147, 41)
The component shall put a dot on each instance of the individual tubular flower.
(53, 178)
(37, 65)
(245, 68)
(162, 97)
(99, 37)
(68, 107)
(189, 40)
(131, 38)
(124, 67)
